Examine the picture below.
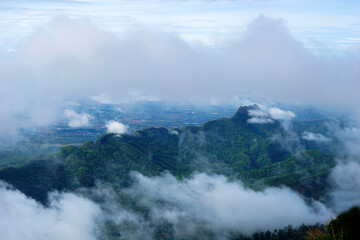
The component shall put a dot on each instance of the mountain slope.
(228, 146)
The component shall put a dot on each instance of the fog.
(221, 206)
(345, 176)
(68, 217)
(72, 59)
(203, 206)
(77, 119)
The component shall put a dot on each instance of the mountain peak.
(243, 112)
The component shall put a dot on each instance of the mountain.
(253, 153)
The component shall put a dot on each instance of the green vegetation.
(228, 146)
(305, 172)
(287, 233)
(345, 227)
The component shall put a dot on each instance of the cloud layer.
(213, 204)
(68, 217)
(74, 59)
(200, 206)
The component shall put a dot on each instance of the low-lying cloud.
(267, 115)
(68, 217)
(76, 120)
(222, 206)
(278, 114)
(315, 137)
(72, 59)
(194, 207)
(345, 176)
(116, 127)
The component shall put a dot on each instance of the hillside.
(228, 146)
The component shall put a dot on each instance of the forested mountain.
(253, 153)
(269, 153)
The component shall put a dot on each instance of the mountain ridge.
(227, 146)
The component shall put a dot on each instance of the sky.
(204, 52)
(322, 25)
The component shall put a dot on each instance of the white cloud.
(68, 217)
(72, 59)
(214, 204)
(76, 120)
(259, 120)
(266, 115)
(278, 114)
(316, 137)
(345, 176)
(259, 116)
(258, 113)
(195, 206)
(116, 127)
(346, 182)
(205, 204)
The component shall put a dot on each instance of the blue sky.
(324, 25)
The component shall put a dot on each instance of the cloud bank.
(72, 59)
(200, 206)
(214, 204)
(68, 217)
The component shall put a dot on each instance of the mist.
(77, 119)
(221, 206)
(345, 176)
(203, 206)
(73, 59)
(69, 216)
